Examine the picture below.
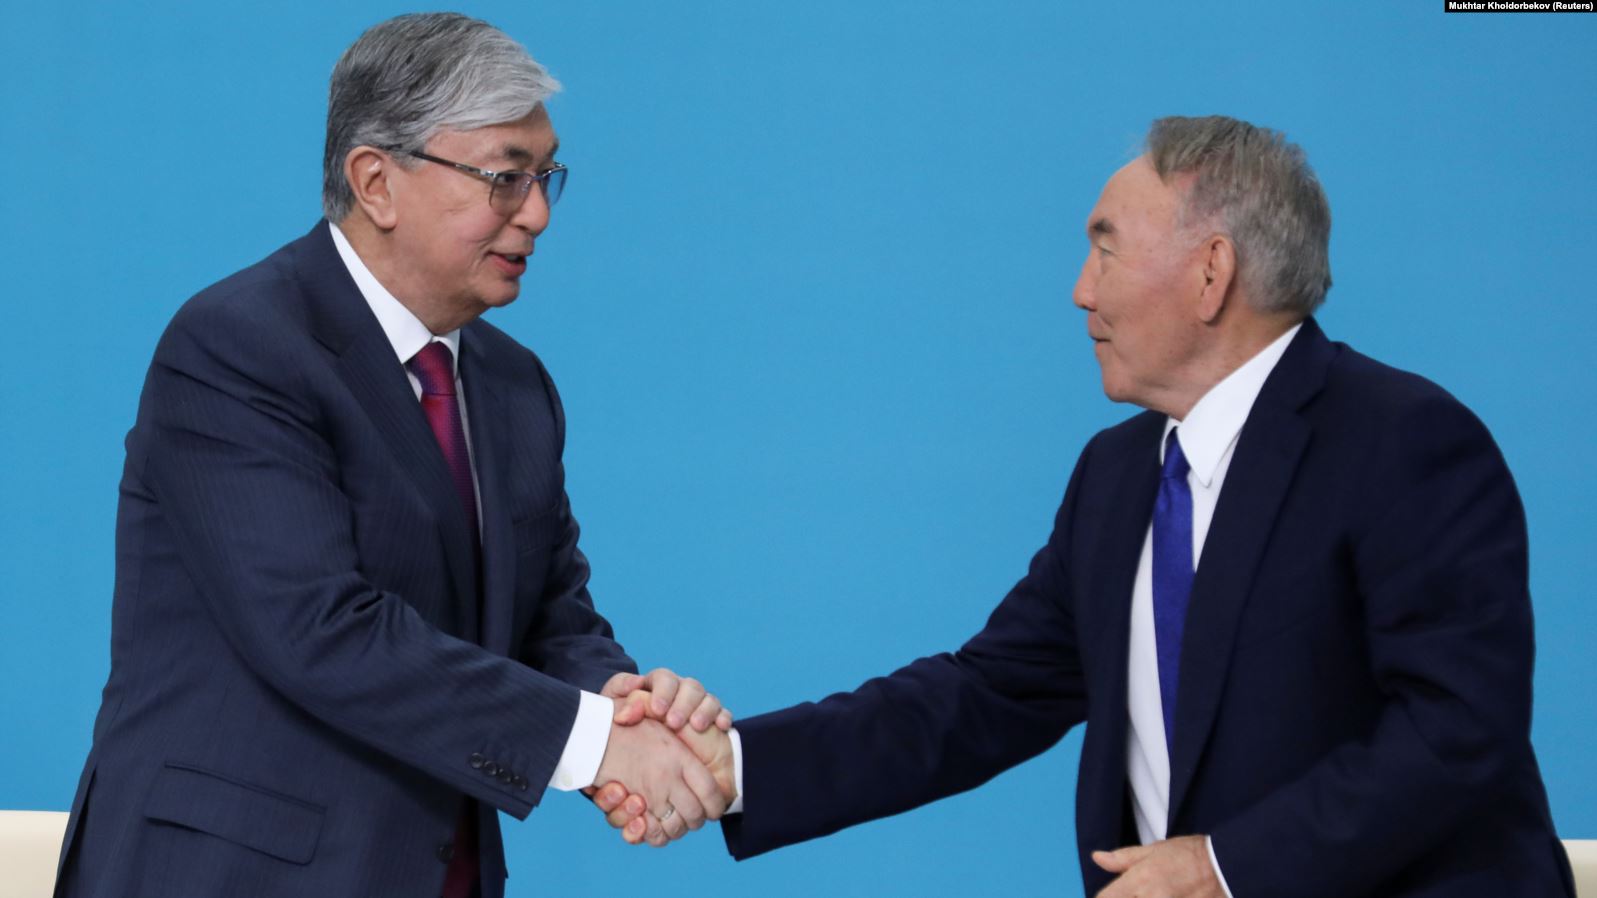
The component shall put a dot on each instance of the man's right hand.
(678, 789)
(712, 748)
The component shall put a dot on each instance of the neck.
(1236, 342)
(378, 253)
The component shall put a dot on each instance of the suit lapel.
(1114, 571)
(1272, 441)
(486, 412)
(343, 322)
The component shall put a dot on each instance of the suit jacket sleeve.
(940, 726)
(569, 640)
(245, 472)
(1440, 565)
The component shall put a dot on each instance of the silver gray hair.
(1259, 188)
(412, 76)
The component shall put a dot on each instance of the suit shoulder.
(1387, 397)
(248, 334)
(265, 297)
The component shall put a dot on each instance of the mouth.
(511, 264)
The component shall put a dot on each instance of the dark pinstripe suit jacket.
(300, 687)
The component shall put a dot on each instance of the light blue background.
(808, 301)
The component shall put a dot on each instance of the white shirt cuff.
(736, 807)
(590, 735)
(1215, 862)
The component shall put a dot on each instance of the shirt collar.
(1216, 421)
(404, 330)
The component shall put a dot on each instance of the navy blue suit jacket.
(1355, 692)
(301, 686)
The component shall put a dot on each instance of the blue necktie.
(1172, 574)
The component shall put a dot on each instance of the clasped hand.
(667, 767)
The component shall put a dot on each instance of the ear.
(1219, 275)
(367, 170)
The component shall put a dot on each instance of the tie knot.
(1175, 462)
(434, 366)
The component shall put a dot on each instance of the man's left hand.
(1174, 868)
(676, 700)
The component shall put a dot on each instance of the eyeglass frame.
(543, 179)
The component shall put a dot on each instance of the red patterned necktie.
(434, 367)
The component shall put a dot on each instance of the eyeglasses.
(508, 190)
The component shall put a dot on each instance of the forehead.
(528, 141)
(1136, 200)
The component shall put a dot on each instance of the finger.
(724, 720)
(609, 797)
(655, 834)
(635, 832)
(1121, 860)
(621, 817)
(704, 716)
(689, 693)
(672, 827)
(663, 683)
(631, 709)
(689, 811)
(1123, 886)
(704, 788)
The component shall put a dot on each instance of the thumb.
(1119, 861)
(621, 684)
(631, 709)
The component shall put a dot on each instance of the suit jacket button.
(446, 852)
(476, 761)
(491, 768)
(506, 777)
(521, 783)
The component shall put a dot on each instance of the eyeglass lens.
(510, 189)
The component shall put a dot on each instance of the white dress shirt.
(590, 734)
(1208, 439)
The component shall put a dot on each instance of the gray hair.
(412, 76)
(1261, 190)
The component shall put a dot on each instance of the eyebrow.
(520, 156)
(1101, 227)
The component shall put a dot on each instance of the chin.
(501, 298)
(1112, 389)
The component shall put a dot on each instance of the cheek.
(479, 230)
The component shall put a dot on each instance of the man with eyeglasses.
(351, 621)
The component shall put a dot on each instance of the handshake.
(668, 765)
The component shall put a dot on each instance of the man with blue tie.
(351, 621)
(1289, 600)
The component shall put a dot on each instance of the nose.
(1083, 296)
(533, 216)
